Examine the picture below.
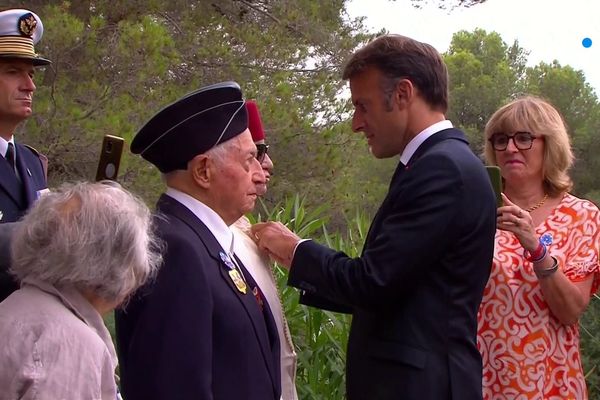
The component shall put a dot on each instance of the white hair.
(95, 237)
(220, 152)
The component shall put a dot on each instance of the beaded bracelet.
(544, 273)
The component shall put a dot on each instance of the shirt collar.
(211, 219)
(418, 140)
(4, 145)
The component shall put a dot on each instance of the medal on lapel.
(258, 296)
(234, 274)
(237, 280)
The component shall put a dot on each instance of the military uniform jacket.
(192, 334)
(16, 196)
(415, 291)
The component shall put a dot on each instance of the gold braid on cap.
(18, 46)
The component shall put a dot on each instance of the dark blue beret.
(192, 125)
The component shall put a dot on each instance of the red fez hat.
(254, 122)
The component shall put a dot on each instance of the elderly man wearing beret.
(203, 329)
(22, 168)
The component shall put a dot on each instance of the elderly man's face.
(16, 89)
(235, 184)
(267, 167)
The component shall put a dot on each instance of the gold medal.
(237, 280)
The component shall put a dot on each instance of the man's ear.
(200, 170)
(404, 94)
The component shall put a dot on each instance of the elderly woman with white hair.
(79, 253)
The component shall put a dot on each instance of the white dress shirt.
(4, 148)
(208, 216)
(418, 140)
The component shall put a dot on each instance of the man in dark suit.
(415, 290)
(203, 329)
(22, 168)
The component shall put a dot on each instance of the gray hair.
(220, 152)
(95, 237)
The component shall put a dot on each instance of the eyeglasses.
(522, 140)
(261, 151)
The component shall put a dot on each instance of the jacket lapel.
(431, 141)
(259, 321)
(264, 331)
(10, 183)
(381, 211)
(25, 175)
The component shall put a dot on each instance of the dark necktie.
(10, 155)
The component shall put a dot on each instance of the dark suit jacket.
(191, 334)
(415, 290)
(6, 234)
(17, 196)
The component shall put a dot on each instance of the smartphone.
(110, 158)
(496, 179)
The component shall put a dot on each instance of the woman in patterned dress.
(545, 266)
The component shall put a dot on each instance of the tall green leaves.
(590, 348)
(320, 337)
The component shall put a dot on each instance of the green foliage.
(566, 89)
(117, 63)
(484, 73)
(589, 330)
(320, 337)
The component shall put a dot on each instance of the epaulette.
(43, 159)
(33, 150)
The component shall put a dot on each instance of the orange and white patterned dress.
(527, 353)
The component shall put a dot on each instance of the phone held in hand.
(496, 179)
(110, 158)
